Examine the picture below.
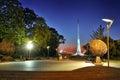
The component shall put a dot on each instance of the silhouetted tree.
(98, 34)
(117, 43)
(55, 40)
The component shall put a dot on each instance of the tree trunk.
(98, 61)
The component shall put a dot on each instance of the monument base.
(78, 54)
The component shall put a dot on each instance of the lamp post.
(29, 47)
(108, 28)
(48, 47)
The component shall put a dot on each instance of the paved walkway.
(50, 65)
(44, 65)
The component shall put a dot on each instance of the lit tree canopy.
(18, 25)
(11, 22)
(97, 47)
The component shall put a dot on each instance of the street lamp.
(48, 47)
(108, 28)
(29, 47)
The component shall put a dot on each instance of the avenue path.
(50, 65)
(43, 65)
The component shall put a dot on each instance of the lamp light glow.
(108, 20)
(48, 47)
(29, 45)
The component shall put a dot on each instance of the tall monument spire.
(78, 41)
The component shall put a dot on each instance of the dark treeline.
(19, 25)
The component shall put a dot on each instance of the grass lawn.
(113, 63)
(86, 73)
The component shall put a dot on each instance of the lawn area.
(86, 73)
(100, 73)
(113, 63)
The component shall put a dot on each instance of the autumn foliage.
(7, 48)
(98, 47)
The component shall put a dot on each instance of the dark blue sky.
(63, 15)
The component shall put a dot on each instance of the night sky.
(63, 15)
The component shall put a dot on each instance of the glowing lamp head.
(30, 45)
(108, 20)
(48, 47)
(61, 51)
